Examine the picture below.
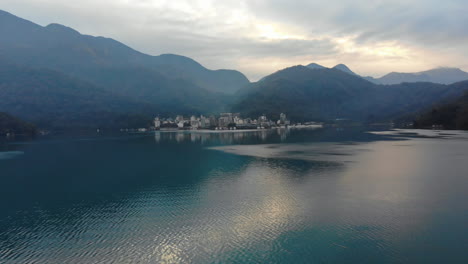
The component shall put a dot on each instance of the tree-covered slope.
(54, 74)
(52, 99)
(302, 93)
(450, 115)
(12, 125)
(317, 94)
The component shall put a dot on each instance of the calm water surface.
(307, 196)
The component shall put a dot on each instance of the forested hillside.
(324, 94)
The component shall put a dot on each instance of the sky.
(259, 37)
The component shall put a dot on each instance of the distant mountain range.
(439, 75)
(56, 77)
(443, 75)
(308, 94)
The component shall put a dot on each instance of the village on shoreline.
(224, 123)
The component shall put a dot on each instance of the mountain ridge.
(325, 94)
(443, 75)
(314, 65)
(344, 68)
(56, 46)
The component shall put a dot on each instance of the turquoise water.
(307, 196)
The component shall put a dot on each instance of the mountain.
(64, 49)
(302, 93)
(449, 115)
(11, 124)
(344, 68)
(321, 94)
(56, 77)
(221, 81)
(52, 99)
(340, 67)
(315, 66)
(439, 75)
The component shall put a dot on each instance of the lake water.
(299, 196)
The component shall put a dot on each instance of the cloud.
(261, 36)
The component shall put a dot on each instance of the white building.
(157, 123)
(179, 118)
(283, 120)
(204, 122)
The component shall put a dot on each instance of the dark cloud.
(418, 21)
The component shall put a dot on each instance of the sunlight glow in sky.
(259, 37)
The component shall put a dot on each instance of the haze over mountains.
(62, 48)
(438, 75)
(101, 69)
(56, 77)
(442, 75)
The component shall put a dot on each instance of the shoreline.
(209, 131)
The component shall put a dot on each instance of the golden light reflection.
(170, 254)
(269, 215)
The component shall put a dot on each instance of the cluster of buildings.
(225, 121)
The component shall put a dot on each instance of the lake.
(286, 196)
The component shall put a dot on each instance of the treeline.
(52, 100)
(12, 125)
(453, 115)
